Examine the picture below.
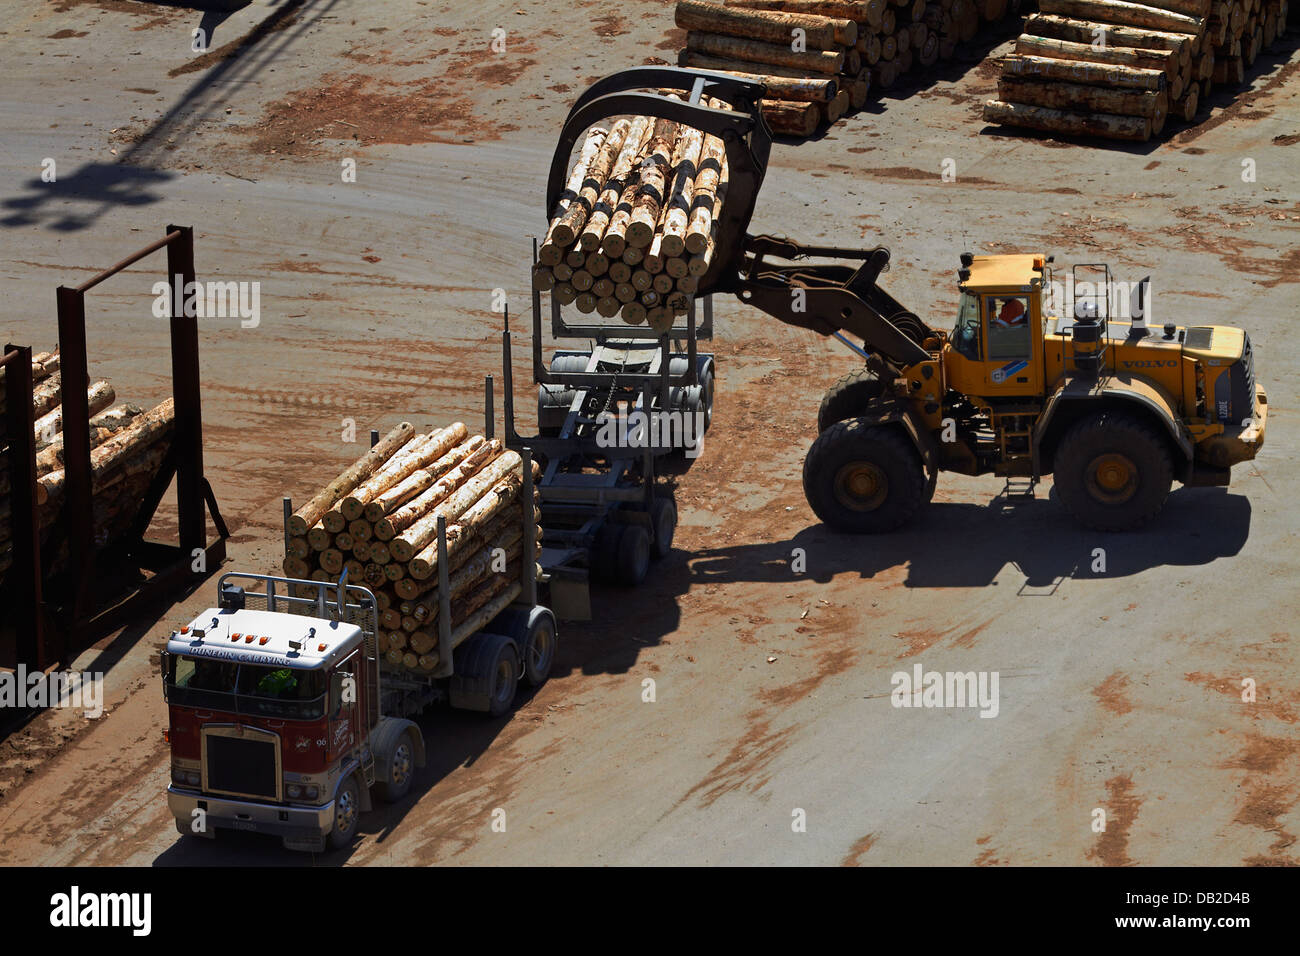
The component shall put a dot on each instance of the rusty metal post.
(188, 439)
(77, 513)
(25, 572)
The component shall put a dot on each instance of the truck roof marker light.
(262, 640)
(248, 638)
(321, 647)
(1039, 264)
(185, 629)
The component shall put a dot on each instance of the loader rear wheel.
(1113, 472)
(849, 397)
(863, 478)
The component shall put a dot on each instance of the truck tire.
(1113, 471)
(398, 770)
(863, 478)
(487, 674)
(849, 397)
(602, 559)
(663, 516)
(347, 814)
(633, 559)
(539, 649)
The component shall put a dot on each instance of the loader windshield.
(966, 333)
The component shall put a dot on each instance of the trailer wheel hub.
(862, 486)
(1112, 478)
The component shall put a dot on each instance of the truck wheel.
(863, 478)
(633, 555)
(1113, 472)
(539, 650)
(347, 814)
(706, 393)
(487, 674)
(399, 771)
(849, 397)
(663, 515)
(602, 560)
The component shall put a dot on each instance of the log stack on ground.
(127, 448)
(378, 520)
(634, 229)
(820, 58)
(1120, 70)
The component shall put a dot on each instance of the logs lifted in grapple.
(633, 231)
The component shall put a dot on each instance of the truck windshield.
(249, 689)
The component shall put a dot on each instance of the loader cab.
(997, 341)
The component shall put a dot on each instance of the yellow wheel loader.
(1114, 411)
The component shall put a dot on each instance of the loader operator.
(1012, 314)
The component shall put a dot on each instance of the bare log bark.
(825, 62)
(1136, 128)
(315, 510)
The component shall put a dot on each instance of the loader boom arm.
(831, 298)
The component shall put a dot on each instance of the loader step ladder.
(1019, 489)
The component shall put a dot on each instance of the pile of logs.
(378, 520)
(846, 48)
(127, 443)
(633, 232)
(1119, 70)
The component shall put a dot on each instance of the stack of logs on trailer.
(633, 231)
(378, 520)
(1119, 70)
(846, 48)
(128, 446)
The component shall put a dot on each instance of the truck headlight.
(293, 791)
(193, 778)
(312, 792)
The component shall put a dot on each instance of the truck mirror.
(166, 657)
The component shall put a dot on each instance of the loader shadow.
(967, 545)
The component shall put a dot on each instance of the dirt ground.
(1120, 689)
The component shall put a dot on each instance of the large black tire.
(849, 397)
(633, 559)
(1113, 471)
(487, 674)
(347, 814)
(663, 515)
(863, 478)
(603, 557)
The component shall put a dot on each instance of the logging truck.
(1115, 411)
(284, 718)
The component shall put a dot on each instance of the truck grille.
(241, 764)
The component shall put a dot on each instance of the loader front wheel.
(849, 397)
(863, 478)
(1113, 472)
